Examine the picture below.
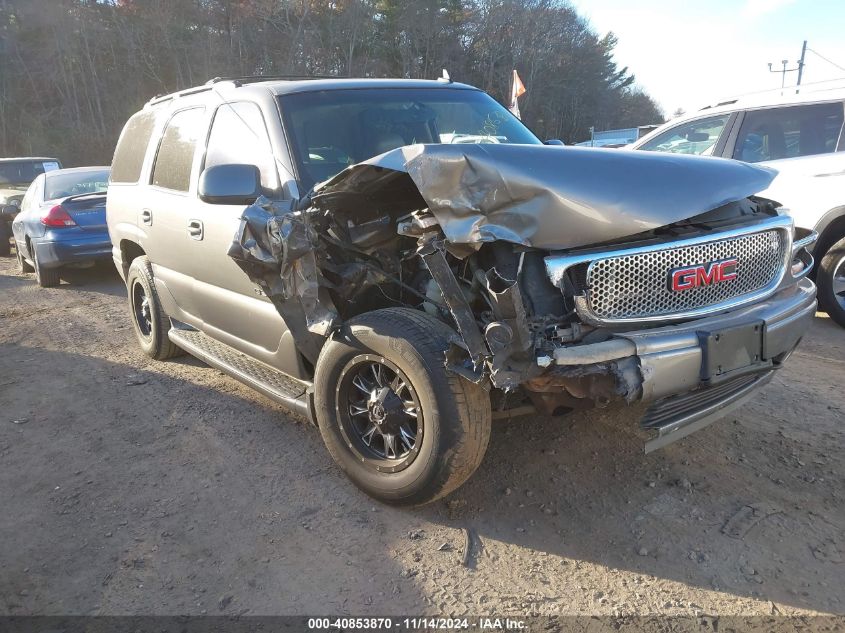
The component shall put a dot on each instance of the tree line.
(73, 71)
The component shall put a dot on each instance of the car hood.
(540, 196)
(7, 193)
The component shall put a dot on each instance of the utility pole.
(801, 66)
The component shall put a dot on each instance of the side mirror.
(230, 184)
(10, 210)
(554, 141)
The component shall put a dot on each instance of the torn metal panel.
(435, 260)
(276, 248)
(544, 197)
(586, 386)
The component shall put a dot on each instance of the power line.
(832, 63)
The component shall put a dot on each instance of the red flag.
(517, 90)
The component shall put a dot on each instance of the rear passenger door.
(168, 208)
(232, 307)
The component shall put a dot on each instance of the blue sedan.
(62, 222)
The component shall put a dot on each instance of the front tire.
(831, 282)
(45, 277)
(149, 320)
(404, 429)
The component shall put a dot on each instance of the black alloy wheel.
(379, 413)
(141, 309)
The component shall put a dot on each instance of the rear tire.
(830, 279)
(22, 263)
(441, 442)
(46, 277)
(149, 321)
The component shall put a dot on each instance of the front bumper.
(697, 372)
(76, 249)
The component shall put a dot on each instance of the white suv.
(802, 137)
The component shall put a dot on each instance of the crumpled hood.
(541, 196)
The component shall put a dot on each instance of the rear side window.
(132, 147)
(789, 132)
(172, 169)
(239, 136)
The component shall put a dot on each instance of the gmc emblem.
(702, 275)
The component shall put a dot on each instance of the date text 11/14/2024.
(416, 624)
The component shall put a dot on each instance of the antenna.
(445, 78)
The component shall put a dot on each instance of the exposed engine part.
(508, 307)
(574, 332)
(416, 224)
(509, 337)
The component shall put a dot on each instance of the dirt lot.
(129, 486)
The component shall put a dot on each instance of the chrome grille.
(636, 286)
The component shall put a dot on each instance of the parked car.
(403, 295)
(803, 138)
(16, 174)
(62, 222)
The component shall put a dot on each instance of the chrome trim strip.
(804, 242)
(801, 251)
(557, 265)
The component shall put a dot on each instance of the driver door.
(233, 308)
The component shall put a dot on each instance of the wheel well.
(129, 251)
(830, 234)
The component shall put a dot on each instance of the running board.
(276, 385)
(678, 416)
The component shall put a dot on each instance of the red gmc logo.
(702, 275)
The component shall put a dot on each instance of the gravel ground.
(129, 486)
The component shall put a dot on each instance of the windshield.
(22, 173)
(62, 185)
(333, 129)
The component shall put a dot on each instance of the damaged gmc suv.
(403, 261)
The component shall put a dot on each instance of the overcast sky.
(687, 54)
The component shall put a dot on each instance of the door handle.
(195, 229)
(147, 217)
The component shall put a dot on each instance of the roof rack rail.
(238, 81)
(181, 93)
(249, 79)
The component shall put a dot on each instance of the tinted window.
(333, 129)
(789, 132)
(695, 137)
(21, 173)
(131, 148)
(61, 185)
(172, 169)
(239, 136)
